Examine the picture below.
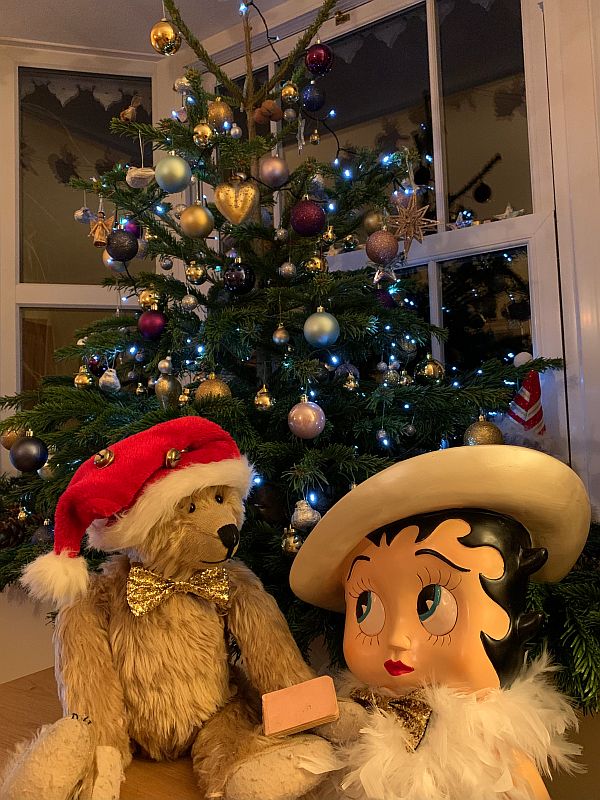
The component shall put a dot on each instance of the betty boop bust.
(430, 560)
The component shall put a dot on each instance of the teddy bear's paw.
(53, 765)
(283, 771)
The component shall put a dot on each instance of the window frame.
(15, 294)
(536, 231)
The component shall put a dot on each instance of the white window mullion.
(436, 315)
(437, 113)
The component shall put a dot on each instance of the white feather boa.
(470, 748)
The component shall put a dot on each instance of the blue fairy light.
(332, 112)
(243, 8)
(312, 497)
(257, 480)
(331, 206)
(133, 349)
(160, 209)
(347, 173)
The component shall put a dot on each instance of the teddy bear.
(142, 648)
(433, 584)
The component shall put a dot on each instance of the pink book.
(300, 707)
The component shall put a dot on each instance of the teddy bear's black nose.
(230, 536)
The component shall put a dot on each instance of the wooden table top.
(32, 701)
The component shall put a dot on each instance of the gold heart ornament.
(237, 201)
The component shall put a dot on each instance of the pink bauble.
(151, 324)
(319, 59)
(273, 171)
(382, 247)
(133, 226)
(307, 218)
(306, 420)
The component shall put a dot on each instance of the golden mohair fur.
(162, 682)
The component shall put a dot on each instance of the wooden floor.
(29, 702)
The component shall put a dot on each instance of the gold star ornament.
(410, 222)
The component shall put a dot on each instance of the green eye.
(370, 613)
(437, 609)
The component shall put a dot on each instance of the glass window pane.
(379, 90)
(413, 289)
(261, 76)
(64, 128)
(485, 108)
(485, 303)
(44, 330)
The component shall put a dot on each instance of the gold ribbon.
(411, 710)
(146, 590)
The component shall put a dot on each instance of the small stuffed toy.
(430, 559)
(142, 647)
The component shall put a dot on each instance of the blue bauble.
(313, 98)
(173, 174)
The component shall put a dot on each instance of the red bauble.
(97, 365)
(133, 226)
(308, 218)
(239, 278)
(151, 324)
(319, 59)
(382, 247)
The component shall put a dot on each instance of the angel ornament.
(101, 227)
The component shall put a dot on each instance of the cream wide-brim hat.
(537, 490)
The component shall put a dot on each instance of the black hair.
(512, 540)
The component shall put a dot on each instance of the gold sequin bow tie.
(411, 710)
(146, 590)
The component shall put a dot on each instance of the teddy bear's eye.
(192, 508)
(219, 498)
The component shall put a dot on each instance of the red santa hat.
(123, 491)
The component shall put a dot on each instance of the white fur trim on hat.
(158, 500)
(56, 578)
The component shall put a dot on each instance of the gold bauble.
(83, 378)
(404, 379)
(46, 472)
(289, 93)
(316, 264)
(197, 220)
(483, 432)
(291, 541)
(351, 383)
(195, 273)
(22, 515)
(203, 134)
(220, 115)
(184, 397)
(8, 438)
(315, 137)
(430, 370)
(148, 299)
(164, 38)
(140, 390)
(329, 236)
(372, 221)
(167, 389)
(237, 200)
(212, 387)
(263, 399)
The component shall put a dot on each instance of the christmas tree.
(322, 377)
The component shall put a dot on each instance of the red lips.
(397, 668)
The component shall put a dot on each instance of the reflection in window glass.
(485, 302)
(484, 107)
(379, 90)
(261, 76)
(64, 128)
(44, 330)
(412, 290)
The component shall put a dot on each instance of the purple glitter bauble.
(319, 59)
(133, 226)
(151, 324)
(307, 218)
(239, 279)
(122, 245)
(382, 247)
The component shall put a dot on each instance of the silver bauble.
(167, 389)
(182, 84)
(139, 177)
(305, 516)
(84, 215)
(173, 174)
(382, 437)
(236, 131)
(142, 248)
(189, 302)
(281, 234)
(109, 381)
(321, 329)
(289, 115)
(306, 419)
(180, 114)
(177, 209)
(373, 221)
(166, 263)
(273, 171)
(108, 261)
(291, 542)
(287, 270)
(381, 367)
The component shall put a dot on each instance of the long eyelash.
(361, 586)
(445, 638)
